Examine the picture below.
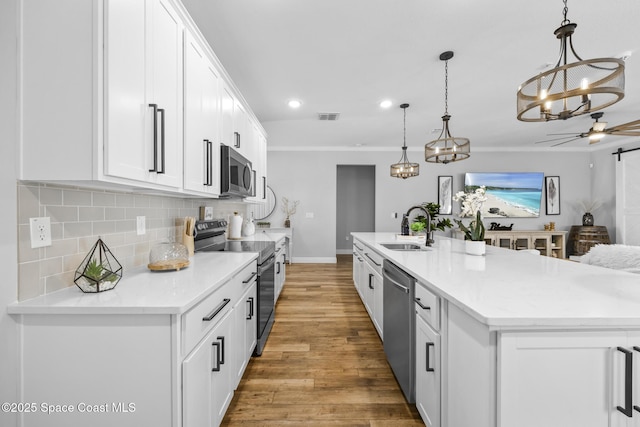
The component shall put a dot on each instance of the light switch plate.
(40, 229)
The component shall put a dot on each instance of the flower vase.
(287, 223)
(473, 247)
(587, 219)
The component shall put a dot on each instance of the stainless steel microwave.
(236, 173)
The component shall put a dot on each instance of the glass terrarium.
(99, 271)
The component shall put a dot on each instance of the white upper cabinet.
(143, 82)
(202, 117)
(113, 93)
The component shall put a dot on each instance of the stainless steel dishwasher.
(399, 326)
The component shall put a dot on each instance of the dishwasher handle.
(395, 283)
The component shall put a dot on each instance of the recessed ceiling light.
(386, 103)
(294, 103)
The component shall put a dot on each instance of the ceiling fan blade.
(558, 139)
(572, 139)
(631, 126)
(566, 133)
(624, 133)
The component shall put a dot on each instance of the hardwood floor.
(323, 364)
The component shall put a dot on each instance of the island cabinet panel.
(587, 371)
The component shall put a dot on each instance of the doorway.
(355, 204)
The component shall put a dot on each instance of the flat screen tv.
(509, 194)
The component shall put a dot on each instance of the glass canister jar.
(168, 256)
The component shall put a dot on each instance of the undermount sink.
(404, 247)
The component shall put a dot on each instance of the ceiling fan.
(598, 131)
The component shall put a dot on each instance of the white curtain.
(628, 198)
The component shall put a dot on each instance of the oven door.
(236, 173)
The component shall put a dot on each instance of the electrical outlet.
(141, 226)
(40, 232)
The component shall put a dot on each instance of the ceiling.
(346, 56)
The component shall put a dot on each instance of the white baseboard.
(314, 260)
(344, 251)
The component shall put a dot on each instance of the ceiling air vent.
(328, 116)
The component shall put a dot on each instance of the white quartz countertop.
(141, 291)
(507, 289)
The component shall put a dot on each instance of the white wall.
(8, 213)
(311, 178)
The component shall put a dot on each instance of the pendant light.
(404, 168)
(446, 148)
(571, 89)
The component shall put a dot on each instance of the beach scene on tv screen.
(509, 194)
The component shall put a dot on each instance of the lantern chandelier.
(446, 148)
(571, 89)
(404, 168)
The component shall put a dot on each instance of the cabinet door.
(143, 67)
(228, 105)
(559, 379)
(428, 377)
(378, 302)
(206, 378)
(201, 117)
(245, 332)
(127, 115)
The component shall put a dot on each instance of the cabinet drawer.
(373, 259)
(428, 306)
(194, 325)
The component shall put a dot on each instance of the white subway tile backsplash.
(50, 196)
(91, 214)
(103, 199)
(76, 229)
(62, 213)
(80, 216)
(73, 197)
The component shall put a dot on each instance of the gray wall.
(309, 176)
(8, 213)
(355, 210)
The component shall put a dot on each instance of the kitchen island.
(526, 340)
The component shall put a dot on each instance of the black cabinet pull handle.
(370, 277)
(428, 363)
(216, 310)
(278, 267)
(372, 260)
(636, 407)
(207, 167)
(264, 188)
(222, 351)
(155, 137)
(250, 301)
(162, 152)
(628, 384)
(210, 163)
(216, 353)
(236, 143)
(250, 278)
(422, 306)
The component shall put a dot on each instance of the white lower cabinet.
(428, 373)
(207, 377)
(591, 372)
(280, 268)
(139, 368)
(368, 281)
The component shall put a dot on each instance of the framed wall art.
(445, 189)
(552, 192)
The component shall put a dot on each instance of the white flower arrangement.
(471, 207)
(471, 202)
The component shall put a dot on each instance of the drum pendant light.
(404, 168)
(446, 148)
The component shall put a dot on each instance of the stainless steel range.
(209, 237)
